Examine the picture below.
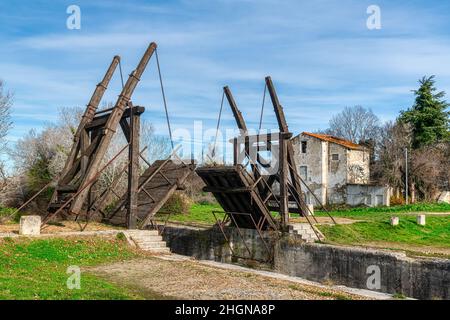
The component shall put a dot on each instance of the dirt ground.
(189, 279)
(57, 227)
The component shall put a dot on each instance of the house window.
(303, 146)
(335, 157)
(303, 172)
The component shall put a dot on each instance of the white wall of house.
(369, 195)
(328, 168)
(310, 154)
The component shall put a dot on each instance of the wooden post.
(283, 172)
(133, 169)
(236, 148)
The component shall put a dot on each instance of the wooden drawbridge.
(156, 185)
(238, 195)
(251, 189)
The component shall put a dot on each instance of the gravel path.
(190, 279)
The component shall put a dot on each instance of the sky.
(320, 55)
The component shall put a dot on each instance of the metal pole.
(406, 175)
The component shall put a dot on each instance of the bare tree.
(158, 147)
(428, 166)
(428, 171)
(356, 124)
(6, 99)
(390, 160)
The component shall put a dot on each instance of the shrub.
(178, 203)
(6, 215)
(396, 201)
(121, 236)
(205, 199)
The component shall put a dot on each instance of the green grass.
(200, 213)
(436, 232)
(373, 227)
(366, 211)
(36, 269)
(6, 214)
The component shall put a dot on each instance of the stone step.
(143, 232)
(156, 244)
(157, 250)
(308, 235)
(148, 238)
(309, 231)
(301, 226)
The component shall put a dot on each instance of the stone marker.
(310, 212)
(395, 221)
(421, 219)
(30, 225)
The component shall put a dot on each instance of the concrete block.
(395, 221)
(310, 212)
(421, 219)
(30, 225)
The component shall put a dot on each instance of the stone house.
(336, 170)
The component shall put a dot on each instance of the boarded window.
(304, 144)
(304, 172)
(335, 157)
(379, 200)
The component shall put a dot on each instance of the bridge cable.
(262, 108)
(164, 98)
(218, 124)
(121, 74)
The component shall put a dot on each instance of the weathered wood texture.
(156, 185)
(133, 170)
(80, 143)
(111, 127)
(237, 195)
(290, 158)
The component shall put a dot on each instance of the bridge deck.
(237, 194)
(156, 185)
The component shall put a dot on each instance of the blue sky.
(320, 55)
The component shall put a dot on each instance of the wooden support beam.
(133, 170)
(111, 126)
(84, 145)
(283, 127)
(126, 129)
(87, 117)
(228, 189)
(100, 121)
(283, 173)
(76, 164)
(237, 114)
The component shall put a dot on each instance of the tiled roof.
(345, 143)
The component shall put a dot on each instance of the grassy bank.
(372, 227)
(36, 269)
(361, 212)
(436, 232)
(202, 213)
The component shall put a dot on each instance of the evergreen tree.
(428, 117)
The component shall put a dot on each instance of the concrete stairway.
(306, 232)
(147, 240)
